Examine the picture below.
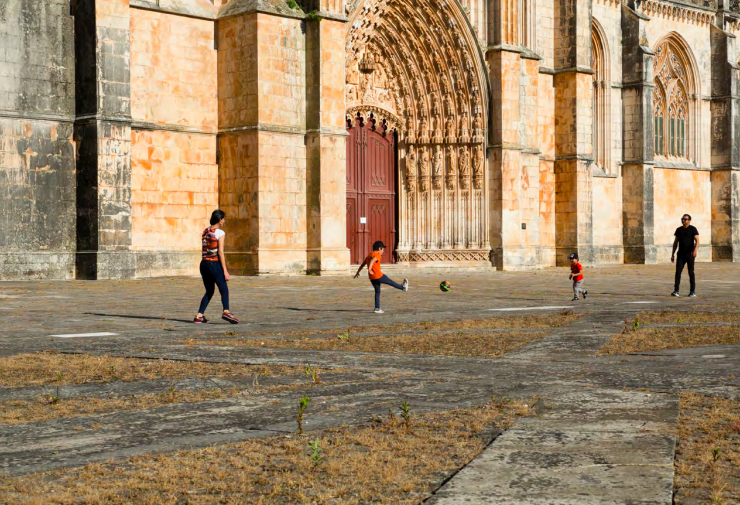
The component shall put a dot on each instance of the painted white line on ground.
(533, 308)
(714, 356)
(638, 302)
(81, 335)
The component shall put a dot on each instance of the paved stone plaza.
(602, 429)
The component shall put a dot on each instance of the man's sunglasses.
(685, 219)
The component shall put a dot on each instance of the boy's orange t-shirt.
(375, 273)
(576, 271)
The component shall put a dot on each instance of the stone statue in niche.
(476, 103)
(449, 103)
(411, 170)
(464, 128)
(424, 169)
(451, 168)
(478, 166)
(410, 131)
(439, 160)
(478, 126)
(436, 108)
(353, 73)
(464, 167)
(450, 128)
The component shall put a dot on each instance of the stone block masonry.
(37, 181)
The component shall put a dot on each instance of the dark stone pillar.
(638, 202)
(725, 160)
(103, 136)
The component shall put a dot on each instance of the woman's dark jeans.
(383, 280)
(213, 275)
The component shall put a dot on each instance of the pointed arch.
(420, 61)
(601, 97)
(676, 110)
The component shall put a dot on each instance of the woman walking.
(213, 268)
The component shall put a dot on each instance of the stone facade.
(524, 130)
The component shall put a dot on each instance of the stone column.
(505, 151)
(326, 150)
(637, 172)
(103, 136)
(573, 130)
(725, 160)
(262, 136)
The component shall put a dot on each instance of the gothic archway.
(418, 65)
(676, 100)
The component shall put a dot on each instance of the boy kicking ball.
(376, 276)
(576, 275)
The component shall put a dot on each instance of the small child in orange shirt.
(576, 275)
(376, 276)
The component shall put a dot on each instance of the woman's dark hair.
(217, 216)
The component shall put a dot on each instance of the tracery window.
(602, 87)
(672, 102)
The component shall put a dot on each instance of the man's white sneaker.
(379, 311)
(405, 284)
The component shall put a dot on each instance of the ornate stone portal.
(418, 66)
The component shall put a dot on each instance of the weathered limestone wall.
(679, 192)
(37, 181)
(174, 108)
(607, 208)
(262, 151)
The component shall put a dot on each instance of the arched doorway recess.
(418, 66)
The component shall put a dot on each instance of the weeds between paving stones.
(43, 368)
(489, 345)
(645, 339)
(380, 463)
(317, 456)
(708, 451)
(302, 406)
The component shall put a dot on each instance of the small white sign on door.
(363, 220)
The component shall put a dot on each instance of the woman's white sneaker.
(379, 311)
(405, 284)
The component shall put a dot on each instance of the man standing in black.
(687, 241)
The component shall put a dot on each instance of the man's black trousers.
(688, 260)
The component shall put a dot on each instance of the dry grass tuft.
(708, 453)
(382, 463)
(485, 345)
(658, 339)
(43, 409)
(686, 317)
(491, 323)
(50, 368)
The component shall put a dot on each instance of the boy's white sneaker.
(379, 311)
(405, 284)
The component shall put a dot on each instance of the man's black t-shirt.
(685, 238)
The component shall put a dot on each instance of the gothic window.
(601, 122)
(672, 102)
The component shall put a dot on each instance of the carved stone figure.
(424, 168)
(464, 167)
(411, 170)
(451, 167)
(478, 166)
(464, 131)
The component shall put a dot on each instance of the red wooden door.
(371, 189)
